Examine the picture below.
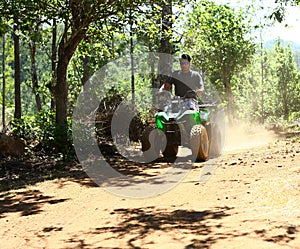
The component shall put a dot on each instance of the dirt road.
(251, 200)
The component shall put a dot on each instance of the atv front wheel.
(199, 142)
(151, 143)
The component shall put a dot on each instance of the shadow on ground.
(151, 227)
(138, 225)
(25, 202)
(18, 173)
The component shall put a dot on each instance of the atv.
(182, 121)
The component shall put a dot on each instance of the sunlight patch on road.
(277, 196)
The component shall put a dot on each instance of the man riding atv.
(185, 79)
(180, 120)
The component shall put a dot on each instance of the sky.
(292, 19)
(291, 32)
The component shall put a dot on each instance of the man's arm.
(165, 87)
(200, 90)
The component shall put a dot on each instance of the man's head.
(185, 61)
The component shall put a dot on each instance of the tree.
(17, 67)
(3, 82)
(165, 63)
(22, 15)
(217, 38)
(75, 24)
(280, 88)
(287, 80)
(7, 73)
(35, 84)
(3, 31)
(76, 17)
(53, 61)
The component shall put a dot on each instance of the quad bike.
(182, 121)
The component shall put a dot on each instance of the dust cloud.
(244, 136)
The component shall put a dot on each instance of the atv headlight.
(191, 104)
(204, 115)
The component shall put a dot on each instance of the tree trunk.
(61, 89)
(35, 83)
(131, 57)
(166, 15)
(53, 64)
(285, 100)
(3, 84)
(86, 69)
(18, 108)
(165, 62)
(61, 103)
(152, 66)
(65, 52)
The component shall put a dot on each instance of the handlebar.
(207, 105)
(166, 95)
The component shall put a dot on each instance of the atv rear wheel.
(199, 142)
(151, 143)
(171, 150)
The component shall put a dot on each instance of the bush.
(106, 111)
(42, 128)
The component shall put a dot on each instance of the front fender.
(161, 118)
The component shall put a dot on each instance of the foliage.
(217, 38)
(268, 89)
(80, 20)
(288, 81)
(23, 128)
(91, 33)
(279, 12)
(106, 110)
(43, 129)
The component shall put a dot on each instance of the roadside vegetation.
(51, 49)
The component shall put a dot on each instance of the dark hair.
(186, 57)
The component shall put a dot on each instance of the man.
(185, 79)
